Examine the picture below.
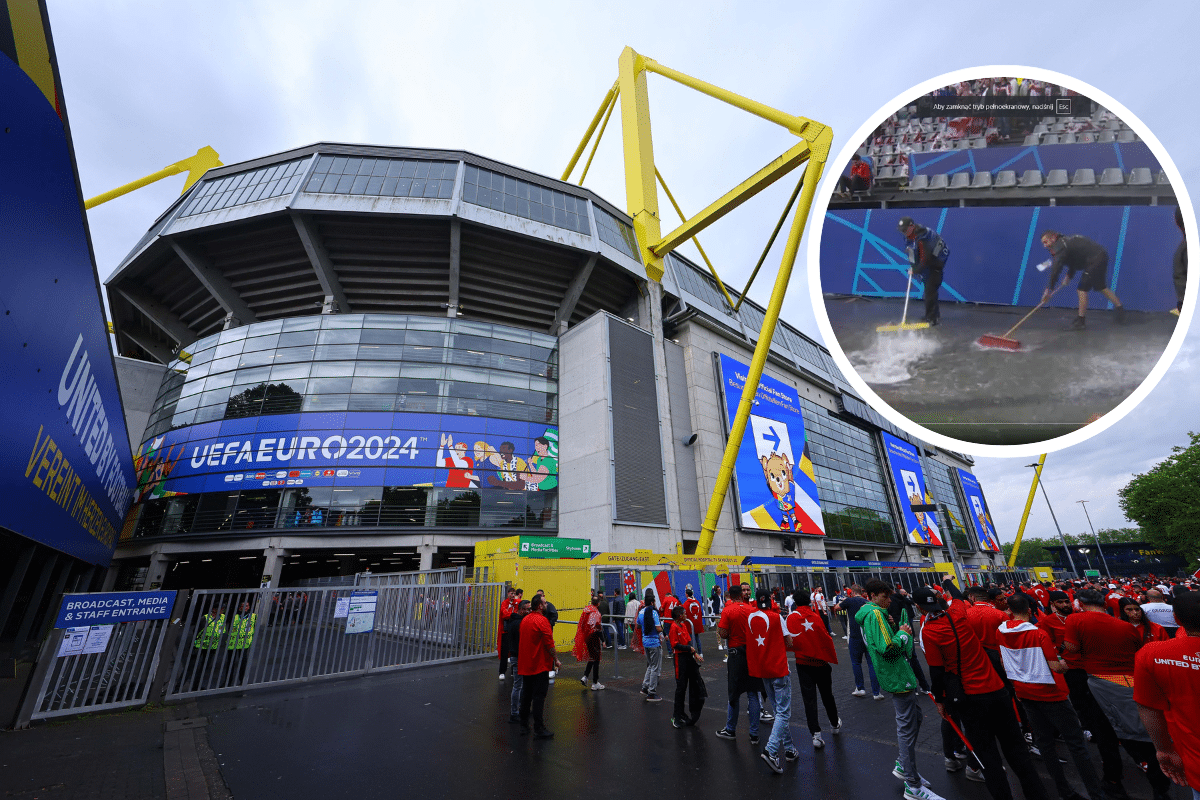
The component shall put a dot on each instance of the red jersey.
(692, 610)
(1106, 645)
(937, 640)
(985, 619)
(665, 609)
(766, 649)
(533, 657)
(1165, 679)
(733, 619)
(1055, 627)
(679, 637)
(1113, 603)
(1153, 632)
(861, 170)
(1027, 651)
(811, 643)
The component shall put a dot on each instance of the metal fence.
(120, 676)
(233, 640)
(424, 578)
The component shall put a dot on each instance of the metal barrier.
(234, 640)
(423, 578)
(118, 676)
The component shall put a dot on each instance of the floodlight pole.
(1099, 549)
(1066, 547)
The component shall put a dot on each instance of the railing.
(307, 634)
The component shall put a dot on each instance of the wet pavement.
(1059, 381)
(443, 731)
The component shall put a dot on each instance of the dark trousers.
(1048, 719)
(533, 698)
(920, 673)
(205, 669)
(505, 647)
(689, 686)
(235, 670)
(593, 669)
(812, 680)
(950, 741)
(1093, 719)
(988, 721)
(932, 278)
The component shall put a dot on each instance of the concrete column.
(157, 572)
(272, 566)
(110, 577)
(426, 550)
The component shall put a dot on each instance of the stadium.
(989, 187)
(344, 358)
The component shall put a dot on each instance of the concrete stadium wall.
(994, 252)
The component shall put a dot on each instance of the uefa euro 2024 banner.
(905, 463)
(984, 528)
(774, 482)
(356, 448)
(66, 468)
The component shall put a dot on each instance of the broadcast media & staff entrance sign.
(67, 471)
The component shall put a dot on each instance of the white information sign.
(97, 639)
(360, 615)
(73, 641)
(342, 608)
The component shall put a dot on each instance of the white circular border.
(821, 207)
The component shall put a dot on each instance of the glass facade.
(493, 190)
(246, 187)
(353, 419)
(383, 177)
(849, 478)
(942, 479)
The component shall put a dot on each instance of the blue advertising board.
(67, 470)
(995, 252)
(108, 608)
(355, 448)
(909, 478)
(984, 529)
(773, 477)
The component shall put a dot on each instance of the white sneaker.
(598, 686)
(818, 742)
(859, 693)
(847, 638)
(502, 676)
(975, 775)
(881, 696)
(837, 727)
(923, 793)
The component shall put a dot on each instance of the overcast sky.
(148, 83)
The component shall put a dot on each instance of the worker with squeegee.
(1080, 254)
(927, 254)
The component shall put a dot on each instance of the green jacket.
(889, 649)
(210, 636)
(241, 632)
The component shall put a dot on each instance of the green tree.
(1032, 553)
(1165, 502)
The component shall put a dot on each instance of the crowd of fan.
(1012, 671)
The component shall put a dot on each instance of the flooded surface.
(1057, 382)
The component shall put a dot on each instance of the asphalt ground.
(443, 731)
(941, 378)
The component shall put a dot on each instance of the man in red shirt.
(667, 605)
(535, 659)
(1035, 669)
(695, 615)
(1107, 647)
(1167, 691)
(954, 653)
(687, 672)
(766, 658)
(732, 627)
(507, 607)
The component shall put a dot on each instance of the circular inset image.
(1002, 261)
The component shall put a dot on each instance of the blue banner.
(355, 448)
(775, 486)
(984, 529)
(66, 468)
(909, 478)
(111, 607)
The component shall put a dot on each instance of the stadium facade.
(344, 357)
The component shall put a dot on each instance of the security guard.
(207, 645)
(241, 636)
(927, 255)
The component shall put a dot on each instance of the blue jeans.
(857, 650)
(781, 731)
(518, 682)
(731, 716)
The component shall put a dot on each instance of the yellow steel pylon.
(195, 166)
(1037, 476)
(642, 197)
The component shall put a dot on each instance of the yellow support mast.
(195, 166)
(1037, 475)
(642, 198)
